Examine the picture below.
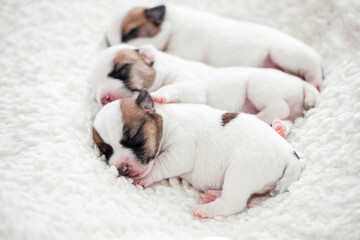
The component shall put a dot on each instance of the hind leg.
(298, 59)
(228, 203)
(265, 95)
(234, 196)
(291, 174)
(278, 110)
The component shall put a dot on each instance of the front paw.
(159, 99)
(162, 97)
(143, 182)
(203, 211)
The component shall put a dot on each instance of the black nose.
(123, 170)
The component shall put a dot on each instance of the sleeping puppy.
(229, 155)
(122, 71)
(214, 40)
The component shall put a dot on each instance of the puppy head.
(135, 22)
(142, 22)
(122, 71)
(128, 132)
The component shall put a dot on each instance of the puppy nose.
(123, 170)
(105, 100)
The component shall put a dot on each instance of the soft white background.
(53, 185)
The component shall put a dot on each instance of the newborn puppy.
(121, 71)
(214, 40)
(231, 155)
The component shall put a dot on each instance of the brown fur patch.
(97, 139)
(104, 148)
(227, 117)
(134, 117)
(136, 19)
(141, 75)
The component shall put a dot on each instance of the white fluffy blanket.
(53, 185)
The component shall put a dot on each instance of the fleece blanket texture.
(53, 184)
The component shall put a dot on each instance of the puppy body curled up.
(229, 155)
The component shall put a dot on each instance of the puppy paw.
(280, 128)
(204, 210)
(138, 182)
(199, 211)
(210, 196)
(143, 182)
(159, 99)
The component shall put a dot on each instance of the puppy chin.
(145, 171)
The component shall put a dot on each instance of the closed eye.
(133, 33)
(121, 72)
(135, 141)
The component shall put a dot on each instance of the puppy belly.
(249, 107)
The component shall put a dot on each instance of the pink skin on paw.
(210, 196)
(279, 127)
(140, 182)
(160, 100)
(198, 211)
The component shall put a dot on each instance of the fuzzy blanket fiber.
(53, 185)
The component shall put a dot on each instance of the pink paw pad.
(198, 212)
(210, 196)
(279, 127)
(160, 100)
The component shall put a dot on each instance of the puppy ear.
(148, 52)
(156, 14)
(145, 101)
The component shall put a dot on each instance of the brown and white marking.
(227, 117)
(189, 141)
(142, 22)
(192, 34)
(130, 71)
(136, 138)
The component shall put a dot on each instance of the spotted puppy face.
(142, 22)
(128, 132)
(130, 71)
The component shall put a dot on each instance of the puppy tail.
(291, 173)
(311, 95)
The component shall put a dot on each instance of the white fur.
(53, 184)
(220, 41)
(240, 158)
(275, 94)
